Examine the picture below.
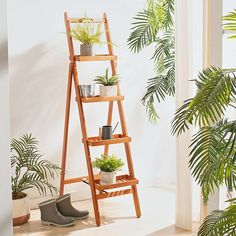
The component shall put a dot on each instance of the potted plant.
(29, 170)
(108, 166)
(88, 34)
(108, 85)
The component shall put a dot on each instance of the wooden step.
(101, 99)
(117, 138)
(121, 181)
(99, 57)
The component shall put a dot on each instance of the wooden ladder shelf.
(93, 180)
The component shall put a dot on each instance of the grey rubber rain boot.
(51, 216)
(65, 207)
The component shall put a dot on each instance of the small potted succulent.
(108, 166)
(29, 170)
(88, 34)
(108, 85)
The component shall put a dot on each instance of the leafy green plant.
(30, 170)
(108, 163)
(154, 25)
(87, 32)
(213, 150)
(220, 222)
(230, 24)
(106, 80)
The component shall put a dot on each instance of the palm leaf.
(216, 87)
(230, 24)
(220, 222)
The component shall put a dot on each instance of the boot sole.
(81, 217)
(58, 225)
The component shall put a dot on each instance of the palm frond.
(211, 162)
(216, 87)
(230, 24)
(30, 169)
(220, 222)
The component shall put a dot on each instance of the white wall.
(5, 179)
(38, 72)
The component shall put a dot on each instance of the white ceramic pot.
(107, 177)
(108, 91)
(21, 211)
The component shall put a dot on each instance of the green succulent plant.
(106, 80)
(108, 163)
(29, 169)
(86, 32)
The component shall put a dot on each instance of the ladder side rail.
(86, 147)
(69, 38)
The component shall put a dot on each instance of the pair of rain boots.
(60, 212)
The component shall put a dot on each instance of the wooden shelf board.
(115, 193)
(99, 57)
(101, 99)
(117, 138)
(121, 181)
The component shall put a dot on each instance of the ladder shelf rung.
(101, 99)
(99, 57)
(117, 138)
(115, 194)
(121, 181)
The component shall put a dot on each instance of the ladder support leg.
(66, 128)
(109, 122)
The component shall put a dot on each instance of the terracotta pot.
(86, 50)
(21, 211)
(107, 177)
(108, 91)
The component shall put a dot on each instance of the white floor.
(118, 218)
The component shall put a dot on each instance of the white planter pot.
(107, 177)
(108, 91)
(21, 211)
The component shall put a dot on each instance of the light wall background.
(38, 60)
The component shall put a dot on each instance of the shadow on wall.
(38, 81)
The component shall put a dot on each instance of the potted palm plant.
(108, 166)
(29, 170)
(88, 34)
(108, 85)
(213, 147)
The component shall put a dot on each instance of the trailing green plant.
(154, 25)
(108, 163)
(86, 32)
(30, 170)
(107, 80)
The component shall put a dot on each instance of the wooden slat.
(100, 57)
(79, 179)
(115, 194)
(122, 181)
(117, 138)
(79, 20)
(101, 99)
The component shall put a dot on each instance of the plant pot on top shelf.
(29, 171)
(108, 166)
(88, 34)
(108, 85)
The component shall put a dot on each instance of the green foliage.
(230, 24)
(106, 80)
(87, 32)
(154, 25)
(30, 170)
(108, 163)
(216, 88)
(220, 222)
